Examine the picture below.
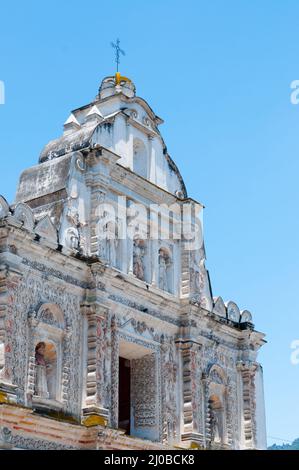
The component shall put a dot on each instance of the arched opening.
(45, 370)
(165, 270)
(140, 161)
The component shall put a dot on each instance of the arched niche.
(46, 336)
(140, 158)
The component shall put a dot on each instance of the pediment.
(46, 229)
(219, 307)
(246, 316)
(24, 214)
(233, 311)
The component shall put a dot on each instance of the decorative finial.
(118, 51)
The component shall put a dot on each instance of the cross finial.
(118, 51)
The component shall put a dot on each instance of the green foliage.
(293, 446)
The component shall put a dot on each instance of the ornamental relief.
(169, 372)
(222, 415)
(24, 298)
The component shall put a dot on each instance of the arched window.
(140, 160)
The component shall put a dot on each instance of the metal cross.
(118, 51)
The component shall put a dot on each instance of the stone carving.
(215, 377)
(144, 394)
(165, 264)
(246, 316)
(72, 216)
(72, 238)
(22, 442)
(41, 385)
(138, 259)
(80, 162)
(5, 437)
(214, 426)
(31, 291)
(24, 214)
(219, 307)
(4, 207)
(46, 229)
(169, 389)
(200, 287)
(111, 242)
(233, 312)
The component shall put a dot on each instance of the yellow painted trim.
(3, 398)
(119, 78)
(94, 420)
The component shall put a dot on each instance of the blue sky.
(219, 74)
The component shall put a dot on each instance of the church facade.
(110, 337)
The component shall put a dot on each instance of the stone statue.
(111, 242)
(164, 263)
(214, 426)
(41, 384)
(138, 256)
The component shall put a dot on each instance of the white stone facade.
(77, 293)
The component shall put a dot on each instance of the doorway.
(124, 395)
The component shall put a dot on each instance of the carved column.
(170, 402)
(95, 402)
(207, 414)
(8, 280)
(192, 416)
(247, 371)
(114, 374)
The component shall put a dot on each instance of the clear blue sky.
(219, 73)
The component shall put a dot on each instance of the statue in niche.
(138, 257)
(164, 264)
(41, 384)
(111, 242)
(216, 424)
(198, 281)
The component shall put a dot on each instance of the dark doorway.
(124, 395)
